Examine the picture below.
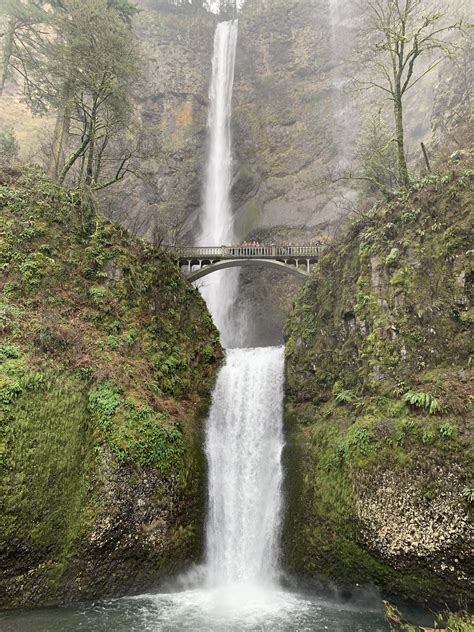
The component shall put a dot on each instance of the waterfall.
(243, 445)
(217, 224)
(244, 437)
(344, 128)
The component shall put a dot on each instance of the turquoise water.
(232, 610)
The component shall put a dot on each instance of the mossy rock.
(107, 358)
(381, 397)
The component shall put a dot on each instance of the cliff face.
(282, 115)
(171, 99)
(297, 117)
(299, 111)
(107, 356)
(380, 400)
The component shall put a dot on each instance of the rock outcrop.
(380, 400)
(107, 358)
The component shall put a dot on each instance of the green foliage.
(425, 401)
(343, 395)
(9, 352)
(392, 257)
(467, 317)
(34, 267)
(428, 436)
(136, 433)
(410, 217)
(395, 619)
(459, 622)
(112, 342)
(446, 430)
(377, 156)
(468, 494)
(9, 147)
(97, 294)
(359, 442)
(142, 438)
(346, 397)
(104, 400)
(171, 370)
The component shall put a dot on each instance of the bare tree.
(399, 35)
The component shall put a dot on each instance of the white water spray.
(217, 223)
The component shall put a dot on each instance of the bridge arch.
(238, 263)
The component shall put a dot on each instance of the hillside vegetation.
(106, 354)
(381, 397)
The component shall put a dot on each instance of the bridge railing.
(242, 251)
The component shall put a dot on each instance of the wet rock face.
(283, 114)
(171, 98)
(134, 535)
(414, 525)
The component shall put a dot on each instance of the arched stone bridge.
(197, 263)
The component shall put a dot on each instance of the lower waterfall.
(244, 442)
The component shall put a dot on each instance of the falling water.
(244, 437)
(244, 442)
(340, 14)
(244, 445)
(217, 223)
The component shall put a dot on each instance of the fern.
(446, 431)
(468, 494)
(346, 397)
(425, 401)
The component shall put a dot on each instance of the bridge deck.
(248, 252)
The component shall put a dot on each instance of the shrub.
(468, 493)
(9, 352)
(97, 294)
(10, 317)
(446, 431)
(344, 395)
(34, 268)
(104, 400)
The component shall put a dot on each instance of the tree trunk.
(61, 134)
(403, 176)
(7, 53)
(90, 159)
(73, 158)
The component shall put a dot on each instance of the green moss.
(43, 478)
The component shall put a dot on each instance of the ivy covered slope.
(381, 396)
(107, 356)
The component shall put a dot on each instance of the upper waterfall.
(217, 224)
